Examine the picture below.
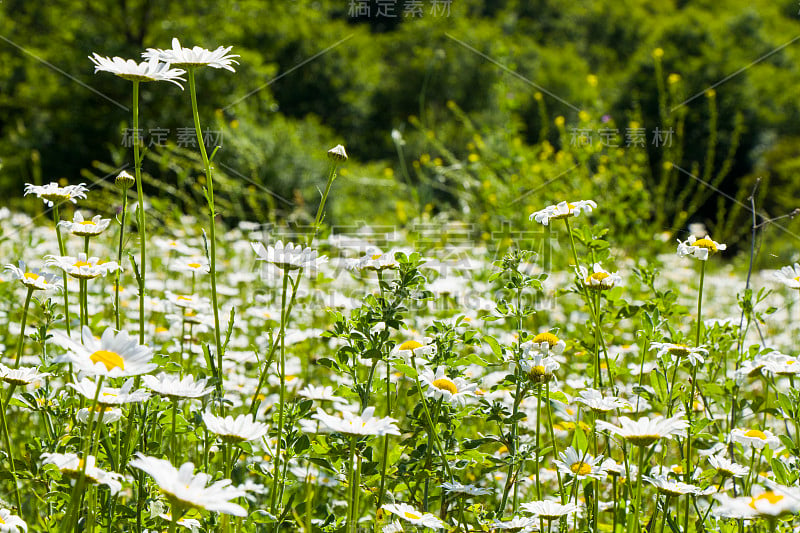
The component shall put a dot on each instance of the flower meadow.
(217, 376)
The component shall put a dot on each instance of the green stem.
(140, 214)
(119, 257)
(350, 527)
(321, 208)
(212, 267)
(635, 522)
(690, 410)
(62, 249)
(553, 438)
(282, 372)
(22, 326)
(7, 439)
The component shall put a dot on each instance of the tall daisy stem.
(690, 410)
(137, 162)
(21, 341)
(62, 249)
(119, 256)
(212, 260)
(282, 372)
(7, 439)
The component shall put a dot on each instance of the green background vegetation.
(479, 144)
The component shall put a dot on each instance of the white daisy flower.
(418, 518)
(320, 394)
(680, 351)
(186, 489)
(85, 228)
(182, 57)
(540, 369)
(70, 465)
(645, 431)
(580, 464)
(550, 510)
(289, 256)
(699, 248)
(239, 429)
(563, 210)
(150, 70)
(355, 424)
(174, 387)
(82, 267)
(34, 278)
(114, 355)
(191, 265)
(469, 490)
(11, 522)
(665, 485)
(599, 279)
(110, 395)
(22, 376)
(453, 390)
(755, 438)
(52, 192)
(594, 400)
(726, 467)
(374, 259)
(518, 524)
(110, 414)
(789, 276)
(546, 343)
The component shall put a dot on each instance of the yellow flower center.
(599, 276)
(186, 298)
(86, 223)
(708, 244)
(410, 345)
(194, 265)
(581, 468)
(412, 516)
(79, 264)
(770, 496)
(547, 337)
(756, 433)
(376, 257)
(445, 384)
(679, 350)
(2, 521)
(31, 275)
(110, 359)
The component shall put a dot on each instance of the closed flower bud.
(124, 180)
(337, 153)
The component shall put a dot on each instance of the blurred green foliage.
(474, 98)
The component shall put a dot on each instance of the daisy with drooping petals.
(34, 278)
(185, 489)
(789, 276)
(540, 369)
(755, 438)
(594, 400)
(645, 431)
(114, 355)
(563, 210)
(289, 256)
(453, 390)
(518, 524)
(357, 424)
(85, 228)
(82, 267)
(679, 351)
(110, 414)
(181, 57)
(418, 518)
(699, 248)
(599, 279)
(22, 376)
(239, 429)
(52, 192)
(469, 490)
(146, 71)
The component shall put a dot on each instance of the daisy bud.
(124, 180)
(337, 153)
